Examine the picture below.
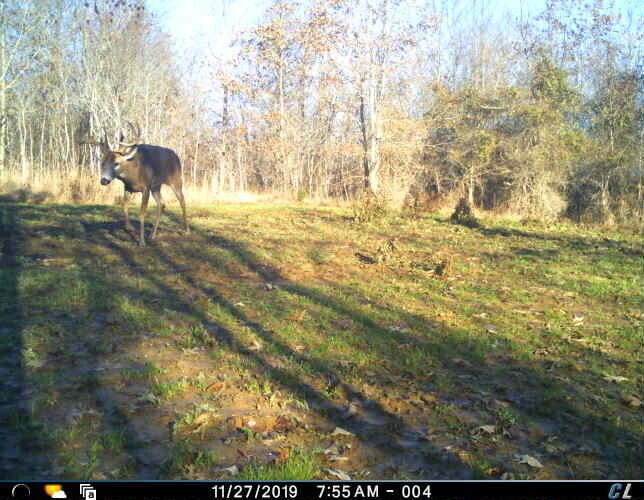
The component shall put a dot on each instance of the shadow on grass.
(579, 243)
(534, 387)
(96, 236)
(56, 332)
(14, 398)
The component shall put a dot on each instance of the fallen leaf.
(255, 346)
(233, 470)
(215, 386)
(428, 398)
(282, 456)
(202, 418)
(492, 471)
(631, 401)
(283, 424)
(614, 378)
(339, 474)
(490, 328)
(485, 429)
(339, 431)
(531, 461)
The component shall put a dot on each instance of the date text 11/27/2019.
(323, 491)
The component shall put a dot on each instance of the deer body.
(143, 169)
(150, 168)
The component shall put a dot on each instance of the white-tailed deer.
(143, 169)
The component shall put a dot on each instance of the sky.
(211, 25)
(208, 26)
(203, 30)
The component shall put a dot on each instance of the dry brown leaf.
(529, 460)
(215, 386)
(339, 474)
(631, 401)
(284, 454)
(492, 471)
(485, 429)
(202, 418)
(339, 431)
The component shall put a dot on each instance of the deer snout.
(105, 181)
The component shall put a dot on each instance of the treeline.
(540, 113)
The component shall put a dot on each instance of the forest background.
(535, 109)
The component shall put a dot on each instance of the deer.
(142, 168)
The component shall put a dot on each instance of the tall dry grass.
(84, 188)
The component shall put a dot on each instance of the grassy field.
(291, 342)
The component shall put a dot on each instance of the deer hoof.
(141, 243)
(187, 230)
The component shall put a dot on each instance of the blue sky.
(210, 25)
(206, 25)
(202, 27)
(202, 31)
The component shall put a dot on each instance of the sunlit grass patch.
(250, 316)
(300, 465)
(168, 388)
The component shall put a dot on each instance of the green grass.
(300, 465)
(265, 311)
(185, 459)
(168, 388)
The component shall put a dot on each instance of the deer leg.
(144, 206)
(179, 194)
(157, 197)
(126, 201)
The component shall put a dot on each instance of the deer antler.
(103, 143)
(136, 134)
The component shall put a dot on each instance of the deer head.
(113, 159)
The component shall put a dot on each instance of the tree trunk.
(470, 187)
(3, 88)
(370, 139)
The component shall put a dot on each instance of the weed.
(183, 457)
(300, 465)
(506, 417)
(168, 389)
